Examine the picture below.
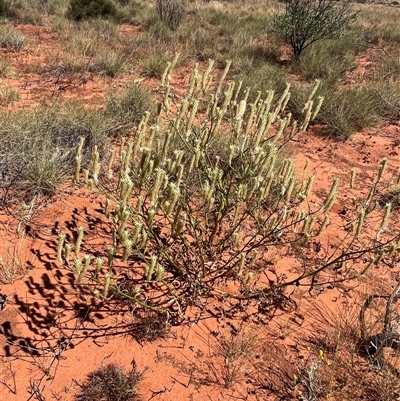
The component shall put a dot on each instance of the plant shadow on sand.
(48, 313)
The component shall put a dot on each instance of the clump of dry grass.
(233, 356)
(14, 258)
(150, 327)
(345, 360)
(338, 116)
(8, 94)
(12, 39)
(5, 68)
(111, 383)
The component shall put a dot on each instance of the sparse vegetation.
(337, 115)
(194, 210)
(108, 62)
(329, 60)
(233, 357)
(391, 196)
(352, 350)
(5, 68)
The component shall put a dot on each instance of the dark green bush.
(84, 9)
(6, 9)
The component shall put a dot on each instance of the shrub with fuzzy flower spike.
(204, 195)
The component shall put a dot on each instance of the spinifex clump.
(202, 196)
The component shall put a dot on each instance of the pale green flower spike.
(360, 223)
(60, 246)
(107, 282)
(86, 262)
(352, 177)
(382, 168)
(67, 253)
(79, 240)
(78, 159)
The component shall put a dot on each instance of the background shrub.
(6, 69)
(305, 22)
(170, 12)
(6, 9)
(84, 9)
(8, 94)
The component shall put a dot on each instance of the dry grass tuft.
(111, 383)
